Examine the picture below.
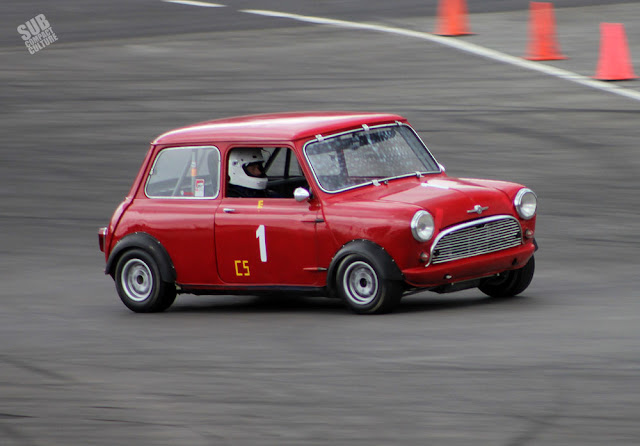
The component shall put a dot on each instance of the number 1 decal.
(262, 239)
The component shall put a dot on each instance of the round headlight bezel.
(525, 207)
(422, 226)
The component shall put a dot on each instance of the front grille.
(476, 238)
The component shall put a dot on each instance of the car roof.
(274, 127)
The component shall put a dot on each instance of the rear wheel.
(509, 283)
(361, 285)
(139, 284)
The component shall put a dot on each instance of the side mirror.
(442, 168)
(301, 194)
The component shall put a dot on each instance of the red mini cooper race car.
(346, 205)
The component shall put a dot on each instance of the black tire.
(362, 286)
(510, 283)
(140, 285)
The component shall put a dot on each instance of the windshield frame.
(377, 181)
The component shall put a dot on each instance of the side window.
(282, 163)
(185, 172)
(264, 172)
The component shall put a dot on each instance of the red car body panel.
(281, 127)
(225, 243)
(290, 251)
(186, 232)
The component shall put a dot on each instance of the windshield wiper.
(386, 180)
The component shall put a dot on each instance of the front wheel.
(509, 283)
(361, 285)
(139, 284)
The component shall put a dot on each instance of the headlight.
(422, 226)
(526, 203)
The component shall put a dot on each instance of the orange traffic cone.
(542, 33)
(614, 63)
(452, 18)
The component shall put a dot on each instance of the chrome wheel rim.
(360, 283)
(137, 280)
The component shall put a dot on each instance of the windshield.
(360, 157)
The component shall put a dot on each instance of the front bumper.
(470, 268)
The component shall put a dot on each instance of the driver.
(247, 178)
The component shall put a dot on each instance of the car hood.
(453, 200)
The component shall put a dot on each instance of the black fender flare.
(373, 252)
(144, 241)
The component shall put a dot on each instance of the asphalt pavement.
(558, 365)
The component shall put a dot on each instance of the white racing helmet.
(239, 159)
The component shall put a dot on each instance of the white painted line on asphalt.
(195, 3)
(462, 46)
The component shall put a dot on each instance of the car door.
(269, 241)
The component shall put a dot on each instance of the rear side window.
(185, 172)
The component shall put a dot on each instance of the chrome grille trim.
(475, 238)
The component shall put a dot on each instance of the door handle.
(228, 210)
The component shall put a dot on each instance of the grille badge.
(477, 209)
